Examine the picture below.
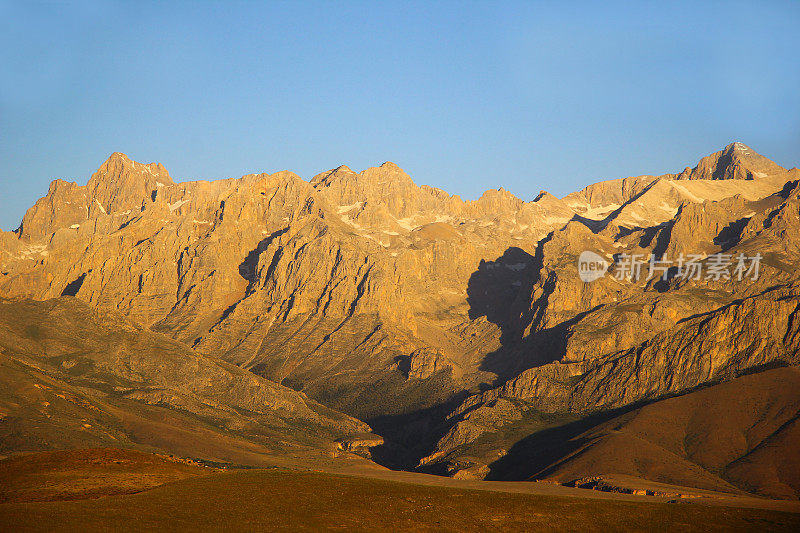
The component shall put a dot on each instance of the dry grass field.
(193, 497)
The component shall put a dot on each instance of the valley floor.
(197, 497)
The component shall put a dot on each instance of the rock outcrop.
(442, 320)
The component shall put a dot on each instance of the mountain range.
(360, 316)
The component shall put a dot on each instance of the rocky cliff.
(433, 317)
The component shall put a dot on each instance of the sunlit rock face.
(380, 297)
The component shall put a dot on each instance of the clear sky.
(465, 96)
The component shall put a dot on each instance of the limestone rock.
(381, 297)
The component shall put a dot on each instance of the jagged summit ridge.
(451, 325)
(311, 281)
(647, 200)
(735, 161)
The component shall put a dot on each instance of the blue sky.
(465, 96)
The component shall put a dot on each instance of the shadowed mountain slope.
(739, 435)
(76, 377)
(440, 321)
(361, 289)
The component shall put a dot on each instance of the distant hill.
(736, 436)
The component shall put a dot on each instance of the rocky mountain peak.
(391, 167)
(119, 167)
(119, 156)
(737, 147)
(500, 194)
(544, 195)
(388, 172)
(120, 183)
(384, 298)
(736, 161)
(327, 178)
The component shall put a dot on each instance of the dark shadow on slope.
(663, 238)
(731, 234)
(248, 269)
(412, 436)
(648, 235)
(513, 292)
(595, 226)
(532, 455)
(497, 284)
(503, 291)
(541, 453)
(788, 189)
(74, 286)
(602, 224)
